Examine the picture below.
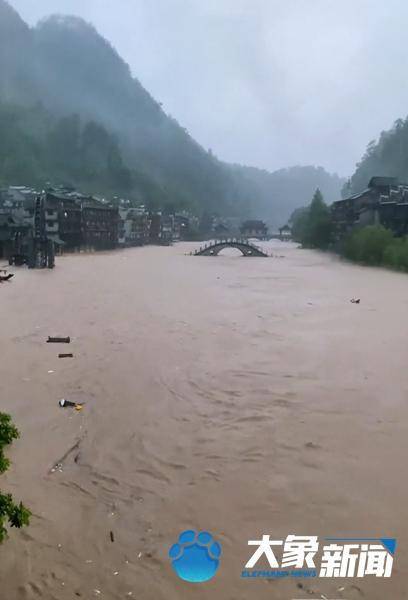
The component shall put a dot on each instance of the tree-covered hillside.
(79, 114)
(386, 157)
(67, 67)
(37, 148)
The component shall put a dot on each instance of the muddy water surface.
(239, 395)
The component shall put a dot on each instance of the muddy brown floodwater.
(237, 395)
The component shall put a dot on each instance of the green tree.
(312, 226)
(320, 224)
(16, 515)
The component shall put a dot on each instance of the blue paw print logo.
(196, 556)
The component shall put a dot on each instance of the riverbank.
(242, 396)
(377, 246)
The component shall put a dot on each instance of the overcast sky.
(269, 83)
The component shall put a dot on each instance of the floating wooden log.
(58, 340)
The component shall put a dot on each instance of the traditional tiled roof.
(253, 224)
(379, 181)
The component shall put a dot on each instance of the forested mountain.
(281, 192)
(36, 147)
(71, 110)
(386, 157)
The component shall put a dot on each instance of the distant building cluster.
(34, 226)
(72, 220)
(384, 202)
(254, 228)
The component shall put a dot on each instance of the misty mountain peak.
(69, 22)
(76, 41)
(10, 20)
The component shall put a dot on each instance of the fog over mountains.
(70, 110)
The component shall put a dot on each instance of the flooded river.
(243, 396)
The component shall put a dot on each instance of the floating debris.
(57, 467)
(58, 340)
(312, 445)
(67, 403)
(64, 403)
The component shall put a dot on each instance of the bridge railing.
(230, 241)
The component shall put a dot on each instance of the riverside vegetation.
(374, 245)
(16, 515)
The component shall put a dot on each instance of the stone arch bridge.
(215, 247)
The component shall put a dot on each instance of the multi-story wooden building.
(100, 225)
(63, 218)
(383, 202)
(133, 229)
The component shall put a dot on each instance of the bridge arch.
(214, 248)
